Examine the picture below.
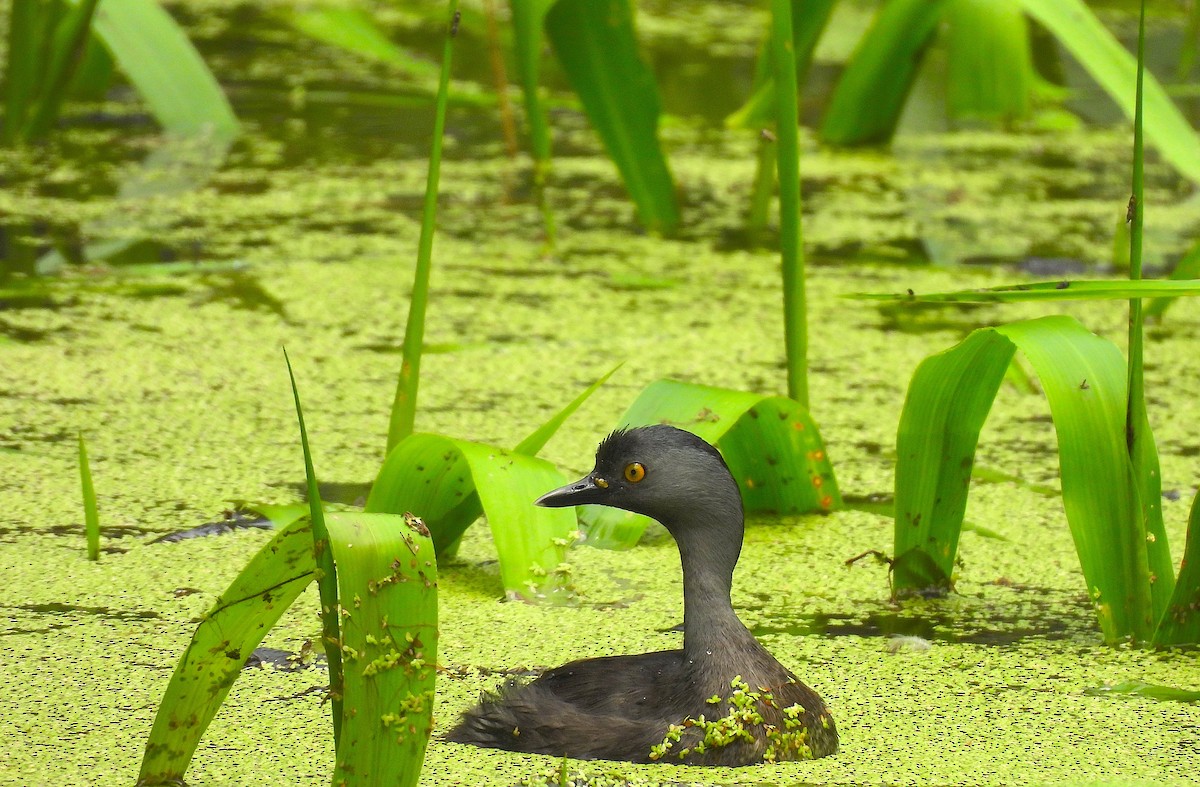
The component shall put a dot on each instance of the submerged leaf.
(1151, 690)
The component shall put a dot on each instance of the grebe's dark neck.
(709, 536)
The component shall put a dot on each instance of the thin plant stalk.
(91, 515)
(496, 59)
(1135, 217)
(764, 188)
(787, 133)
(326, 573)
(404, 406)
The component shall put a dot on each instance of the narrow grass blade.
(353, 29)
(595, 43)
(1180, 623)
(326, 570)
(1098, 51)
(1084, 380)
(450, 483)
(404, 405)
(771, 444)
(791, 245)
(1188, 267)
(1142, 689)
(223, 641)
(91, 515)
(866, 104)
(1143, 454)
(540, 436)
(990, 66)
(387, 574)
(1048, 291)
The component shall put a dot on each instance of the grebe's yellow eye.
(634, 472)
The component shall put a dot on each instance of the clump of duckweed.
(789, 743)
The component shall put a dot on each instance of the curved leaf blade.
(1065, 290)
(595, 43)
(867, 102)
(1083, 376)
(450, 482)
(1180, 623)
(771, 444)
(1115, 69)
(223, 641)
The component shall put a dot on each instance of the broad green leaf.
(449, 483)
(1084, 380)
(1048, 291)
(162, 64)
(870, 95)
(1077, 27)
(388, 578)
(770, 443)
(185, 99)
(60, 59)
(1180, 623)
(595, 43)
(809, 18)
(947, 402)
(990, 66)
(1143, 689)
(223, 641)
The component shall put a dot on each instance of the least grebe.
(722, 699)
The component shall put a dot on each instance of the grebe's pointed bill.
(589, 489)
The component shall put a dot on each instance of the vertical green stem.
(1134, 216)
(527, 18)
(91, 515)
(404, 406)
(68, 45)
(787, 132)
(764, 189)
(326, 574)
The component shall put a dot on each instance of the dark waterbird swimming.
(722, 699)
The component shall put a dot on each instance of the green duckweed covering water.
(180, 386)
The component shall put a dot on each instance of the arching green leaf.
(449, 483)
(223, 641)
(771, 444)
(1119, 545)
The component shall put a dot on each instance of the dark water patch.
(283, 660)
(936, 628)
(243, 291)
(924, 318)
(230, 521)
(72, 610)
